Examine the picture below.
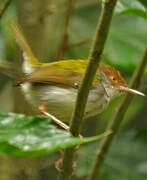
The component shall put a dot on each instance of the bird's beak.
(132, 91)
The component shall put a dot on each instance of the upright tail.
(29, 58)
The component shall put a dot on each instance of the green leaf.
(126, 159)
(133, 7)
(34, 136)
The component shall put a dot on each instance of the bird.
(52, 87)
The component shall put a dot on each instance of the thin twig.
(116, 120)
(3, 9)
(64, 38)
(94, 59)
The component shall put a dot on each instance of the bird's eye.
(113, 78)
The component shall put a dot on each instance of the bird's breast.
(61, 100)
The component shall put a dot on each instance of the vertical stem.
(116, 120)
(94, 59)
(64, 38)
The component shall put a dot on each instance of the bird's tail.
(29, 57)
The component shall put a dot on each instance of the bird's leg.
(43, 110)
(58, 163)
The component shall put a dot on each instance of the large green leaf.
(126, 160)
(34, 136)
(133, 7)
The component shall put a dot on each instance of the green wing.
(60, 72)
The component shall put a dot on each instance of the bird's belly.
(61, 100)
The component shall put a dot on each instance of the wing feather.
(54, 75)
(59, 73)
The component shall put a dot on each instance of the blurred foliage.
(126, 160)
(35, 136)
(130, 7)
(8, 41)
(144, 2)
(142, 134)
(125, 44)
(131, 113)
